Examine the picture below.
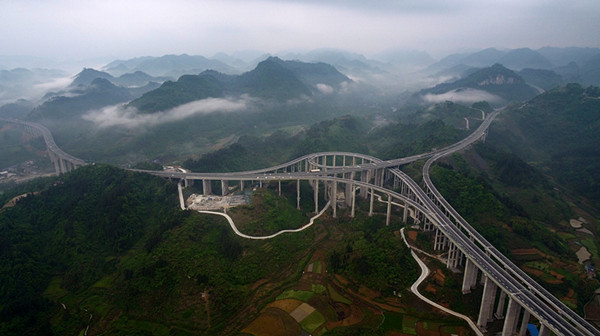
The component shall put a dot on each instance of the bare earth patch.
(287, 305)
(302, 311)
(527, 252)
(274, 322)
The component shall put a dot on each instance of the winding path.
(243, 235)
(424, 274)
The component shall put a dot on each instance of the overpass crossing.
(63, 162)
(370, 176)
(508, 292)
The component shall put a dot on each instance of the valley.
(126, 259)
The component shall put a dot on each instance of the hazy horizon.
(98, 31)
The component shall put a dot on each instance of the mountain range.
(497, 80)
(167, 65)
(272, 78)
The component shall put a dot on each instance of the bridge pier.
(316, 188)
(363, 178)
(544, 331)
(469, 277)
(512, 315)
(224, 188)
(438, 241)
(334, 197)
(487, 303)
(524, 322)
(389, 210)
(349, 194)
(353, 200)
(427, 225)
(206, 187)
(452, 260)
(63, 167)
(298, 194)
(371, 202)
(500, 309)
(54, 161)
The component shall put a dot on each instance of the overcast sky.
(79, 29)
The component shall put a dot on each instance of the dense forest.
(110, 249)
(558, 132)
(417, 134)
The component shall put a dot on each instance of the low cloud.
(118, 115)
(462, 96)
(324, 88)
(54, 84)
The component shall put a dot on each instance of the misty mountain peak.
(87, 75)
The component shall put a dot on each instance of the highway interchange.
(525, 292)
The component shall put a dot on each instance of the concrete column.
(493, 296)
(450, 262)
(468, 280)
(353, 200)
(349, 193)
(500, 309)
(512, 315)
(474, 274)
(298, 194)
(63, 168)
(316, 187)
(371, 202)
(279, 187)
(544, 331)
(524, 323)
(344, 160)
(427, 224)
(334, 197)
(389, 210)
(440, 240)
(405, 213)
(241, 186)
(487, 303)
(353, 173)
(54, 161)
(224, 188)
(206, 187)
(363, 190)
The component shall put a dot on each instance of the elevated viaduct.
(508, 293)
(62, 161)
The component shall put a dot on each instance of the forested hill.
(496, 79)
(110, 250)
(347, 133)
(558, 131)
(74, 227)
(272, 78)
